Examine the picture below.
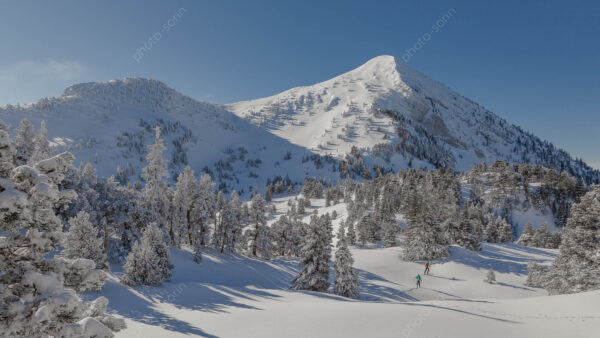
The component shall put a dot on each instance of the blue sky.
(535, 63)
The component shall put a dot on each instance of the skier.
(426, 268)
(418, 281)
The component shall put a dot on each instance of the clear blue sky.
(535, 63)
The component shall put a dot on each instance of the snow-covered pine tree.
(219, 229)
(82, 241)
(423, 239)
(183, 198)
(24, 142)
(491, 233)
(286, 240)
(536, 275)
(7, 155)
(314, 263)
(155, 174)
(203, 211)
(34, 300)
(527, 235)
(506, 234)
(466, 236)
(259, 236)
(269, 192)
(541, 237)
(41, 149)
(149, 262)
(577, 266)
(346, 278)
(389, 238)
(232, 223)
(351, 235)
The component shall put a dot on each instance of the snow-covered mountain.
(398, 113)
(111, 124)
(382, 113)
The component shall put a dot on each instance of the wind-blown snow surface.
(237, 296)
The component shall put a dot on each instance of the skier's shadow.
(452, 278)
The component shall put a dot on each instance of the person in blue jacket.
(418, 281)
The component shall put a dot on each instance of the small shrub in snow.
(491, 277)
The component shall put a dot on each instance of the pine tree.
(491, 231)
(269, 193)
(260, 242)
(423, 239)
(220, 226)
(527, 235)
(233, 223)
(41, 149)
(389, 239)
(351, 236)
(154, 175)
(24, 142)
(149, 262)
(467, 235)
(287, 240)
(314, 262)
(505, 233)
(82, 241)
(35, 301)
(7, 155)
(536, 275)
(203, 211)
(183, 198)
(346, 278)
(577, 266)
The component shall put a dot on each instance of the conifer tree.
(423, 239)
(82, 241)
(314, 262)
(346, 278)
(203, 211)
(149, 262)
(41, 148)
(389, 239)
(527, 235)
(491, 231)
(260, 242)
(577, 266)
(154, 174)
(185, 190)
(505, 233)
(24, 142)
(33, 297)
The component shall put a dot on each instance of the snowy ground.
(235, 296)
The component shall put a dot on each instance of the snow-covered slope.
(237, 296)
(367, 106)
(394, 116)
(111, 124)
